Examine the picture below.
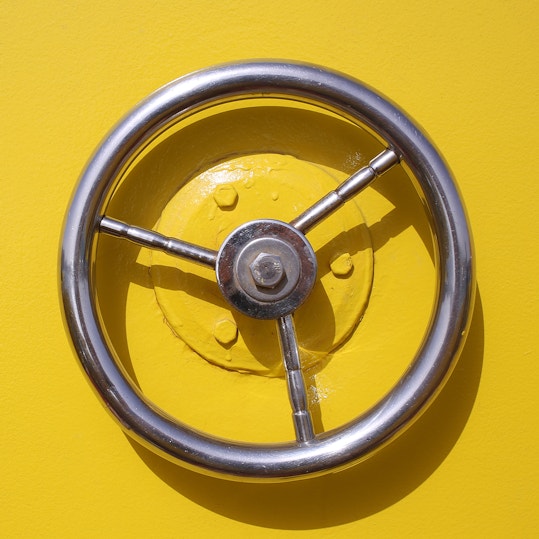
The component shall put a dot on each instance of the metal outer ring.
(437, 353)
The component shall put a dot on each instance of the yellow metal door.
(468, 468)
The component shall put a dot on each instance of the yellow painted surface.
(465, 71)
(274, 186)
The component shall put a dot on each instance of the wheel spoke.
(346, 190)
(154, 240)
(297, 392)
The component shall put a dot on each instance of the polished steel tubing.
(297, 391)
(159, 242)
(346, 190)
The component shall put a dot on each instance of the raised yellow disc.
(208, 208)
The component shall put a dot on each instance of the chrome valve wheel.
(266, 269)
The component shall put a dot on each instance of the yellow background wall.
(466, 71)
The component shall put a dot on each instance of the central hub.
(266, 269)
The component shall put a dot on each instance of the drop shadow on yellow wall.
(360, 491)
(155, 178)
(309, 135)
(387, 476)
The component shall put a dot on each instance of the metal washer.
(241, 248)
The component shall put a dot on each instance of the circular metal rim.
(435, 358)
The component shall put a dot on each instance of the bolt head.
(225, 331)
(226, 196)
(342, 265)
(267, 270)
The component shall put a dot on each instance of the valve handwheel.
(266, 269)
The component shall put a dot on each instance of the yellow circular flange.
(209, 207)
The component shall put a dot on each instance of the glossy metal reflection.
(297, 392)
(154, 240)
(237, 260)
(348, 189)
(309, 455)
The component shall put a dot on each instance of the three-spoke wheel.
(266, 270)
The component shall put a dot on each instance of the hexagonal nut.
(225, 331)
(267, 270)
(342, 265)
(225, 196)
